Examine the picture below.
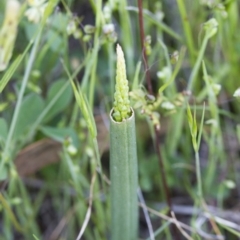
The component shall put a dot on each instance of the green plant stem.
(152, 18)
(95, 52)
(93, 72)
(187, 29)
(178, 120)
(162, 169)
(21, 93)
(25, 215)
(145, 60)
(215, 153)
(175, 72)
(197, 65)
(111, 67)
(199, 179)
(124, 179)
(126, 39)
(11, 214)
(99, 207)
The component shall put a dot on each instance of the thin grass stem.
(20, 96)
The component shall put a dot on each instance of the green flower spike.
(121, 107)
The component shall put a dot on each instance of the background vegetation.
(183, 70)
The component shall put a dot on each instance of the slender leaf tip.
(121, 107)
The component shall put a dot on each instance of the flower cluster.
(36, 10)
(121, 104)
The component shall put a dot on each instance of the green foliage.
(124, 179)
(57, 83)
(84, 106)
(193, 127)
(61, 134)
(30, 109)
(62, 102)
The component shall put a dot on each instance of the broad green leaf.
(31, 108)
(60, 134)
(60, 21)
(63, 101)
(56, 41)
(55, 35)
(31, 30)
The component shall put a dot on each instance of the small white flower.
(212, 122)
(174, 57)
(167, 105)
(159, 15)
(237, 93)
(209, 3)
(164, 74)
(36, 10)
(229, 184)
(211, 27)
(71, 27)
(72, 150)
(108, 28)
(36, 3)
(216, 88)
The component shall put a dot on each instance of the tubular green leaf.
(124, 179)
